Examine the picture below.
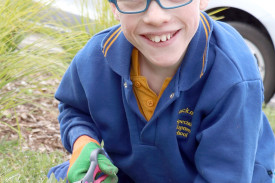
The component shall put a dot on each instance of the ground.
(39, 127)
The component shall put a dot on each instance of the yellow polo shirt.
(146, 98)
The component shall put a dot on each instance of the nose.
(155, 15)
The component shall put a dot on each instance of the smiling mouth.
(161, 38)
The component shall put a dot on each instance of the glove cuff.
(82, 141)
(79, 144)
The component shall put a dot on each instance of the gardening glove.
(80, 163)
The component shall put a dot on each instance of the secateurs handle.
(90, 175)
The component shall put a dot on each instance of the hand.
(80, 163)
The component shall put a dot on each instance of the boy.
(176, 97)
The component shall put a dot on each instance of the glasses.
(138, 6)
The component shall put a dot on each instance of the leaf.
(11, 175)
(52, 179)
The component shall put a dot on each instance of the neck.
(155, 75)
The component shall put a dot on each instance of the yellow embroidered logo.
(186, 111)
(184, 124)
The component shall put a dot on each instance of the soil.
(37, 122)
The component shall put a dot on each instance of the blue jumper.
(207, 127)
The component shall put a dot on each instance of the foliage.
(214, 13)
(270, 113)
(25, 166)
(18, 20)
(52, 44)
(104, 17)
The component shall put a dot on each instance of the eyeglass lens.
(140, 5)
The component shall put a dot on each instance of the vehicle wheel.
(264, 52)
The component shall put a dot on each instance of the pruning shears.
(93, 169)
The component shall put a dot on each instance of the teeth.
(163, 38)
(159, 38)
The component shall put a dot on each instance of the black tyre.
(264, 52)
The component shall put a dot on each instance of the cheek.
(196, 22)
(128, 29)
(193, 23)
(125, 30)
(190, 14)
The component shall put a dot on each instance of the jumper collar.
(117, 51)
(194, 63)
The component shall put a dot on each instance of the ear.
(203, 4)
(115, 11)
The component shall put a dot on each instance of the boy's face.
(162, 35)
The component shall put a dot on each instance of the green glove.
(80, 163)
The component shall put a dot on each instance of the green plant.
(104, 17)
(23, 67)
(270, 113)
(25, 166)
(214, 13)
(19, 19)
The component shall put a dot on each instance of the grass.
(29, 64)
(270, 113)
(18, 20)
(25, 166)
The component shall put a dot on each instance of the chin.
(168, 63)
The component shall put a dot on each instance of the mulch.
(37, 121)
